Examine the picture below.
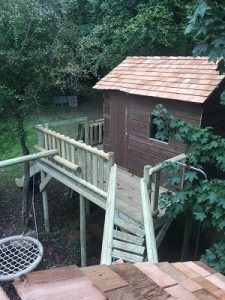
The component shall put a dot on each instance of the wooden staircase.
(126, 240)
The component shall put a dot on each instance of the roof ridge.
(169, 57)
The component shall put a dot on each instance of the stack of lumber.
(188, 280)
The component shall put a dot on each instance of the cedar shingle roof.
(180, 78)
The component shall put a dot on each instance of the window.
(154, 133)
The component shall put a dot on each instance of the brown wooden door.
(119, 134)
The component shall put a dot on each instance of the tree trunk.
(25, 151)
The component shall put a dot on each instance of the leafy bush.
(205, 198)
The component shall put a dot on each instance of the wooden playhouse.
(188, 87)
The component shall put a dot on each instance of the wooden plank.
(95, 169)
(148, 223)
(74, 288)
(3, 295)
(104, 278)
(53, 275)
(185, 269)
(209, 286)
(45, 182)
(218, 279)
(101, 173)
(178, 292)
(123, 236)
(206, 267)
(129, 227)
(143, 287)
(197, 268)
(106, 253)
(205, 295)
(156, 274)
(124, 293)
(181, 278)
(89, 167)
(83, 249)
(128, 247)
(127, 256)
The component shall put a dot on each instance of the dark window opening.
(154, 132)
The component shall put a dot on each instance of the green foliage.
(206, 24)
(123, 28)
(204, 197)
(215, 257)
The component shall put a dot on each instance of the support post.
(83, 248)
(45, 205)
(187, 236)
(83, 204)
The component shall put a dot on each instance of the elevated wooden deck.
(184, 281)
(129, 194)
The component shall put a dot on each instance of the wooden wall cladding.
(141, 150)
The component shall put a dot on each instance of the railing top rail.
(162, 165)
(25, 158)
(71, 141)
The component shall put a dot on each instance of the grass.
(9, 142)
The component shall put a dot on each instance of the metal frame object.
(19, 255)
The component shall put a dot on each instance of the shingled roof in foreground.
(179, 78)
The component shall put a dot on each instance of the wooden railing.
(91, 164)
(81, 128)
(96, 132)
(152, 179)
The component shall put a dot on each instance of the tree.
(205, 198)
(207, 25)
(117, 29)
(38, 44)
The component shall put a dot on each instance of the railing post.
(83, 204)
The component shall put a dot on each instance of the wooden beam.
(60, 159)
(90, 192)
(45, 181)
(25, 158)
(45, 206)
(148, 223)
(83, 246)
(106, 254)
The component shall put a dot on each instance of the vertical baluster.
(46, 140)
(68, 154)
(58, 142)
(72, 154)
(95, 169)
(86, 126)
(91, 134)
(53, 142)
(95, 134)
(100, 133)
(89, 166)
(101, 173)
(63, 149)
(46, 136)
